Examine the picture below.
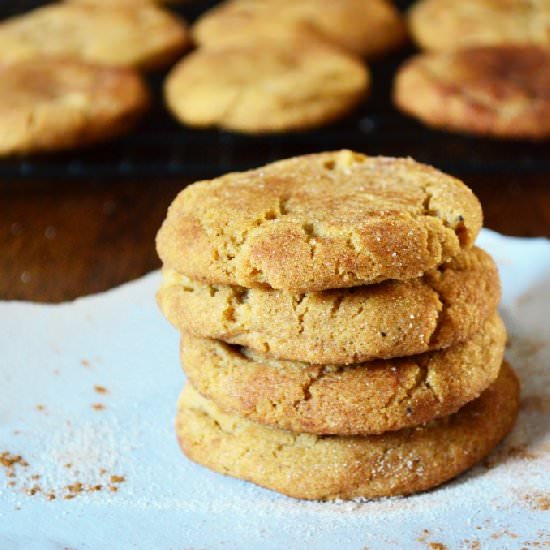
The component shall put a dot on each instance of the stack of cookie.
(339, 328)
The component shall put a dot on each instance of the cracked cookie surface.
(310, 223)
(501, 91)
(143, 35)
(365, 28)
(51, 104)
(301, 82)
(451, 24)
(342, 326)
(366, 398)
(328, 467)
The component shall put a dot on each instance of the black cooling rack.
(160, 147)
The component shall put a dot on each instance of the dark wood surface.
(61, 240)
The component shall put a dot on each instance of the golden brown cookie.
(341, 326)
(452, 24)
(50, 104)
(270, 87)
(367, 398)
(328, 467)
(500, 91)
(314, 222)
(142, 35)
(133, 3)
(365, 27)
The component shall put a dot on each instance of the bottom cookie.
(345, 467)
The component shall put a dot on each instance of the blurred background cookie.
(500, 91)
(143, 36)
(50, 104)
(129, 2)
(450, 24)
(266, 86)
(365, 27)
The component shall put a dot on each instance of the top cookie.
(450, 24)
(328, 220)
(143, 36)
(365, 27)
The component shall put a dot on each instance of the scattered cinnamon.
(538, 501)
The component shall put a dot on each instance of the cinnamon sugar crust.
(341, 326)
(329, 467)
(310, 223)
(371, 397)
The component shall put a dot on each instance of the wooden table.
(61, 240)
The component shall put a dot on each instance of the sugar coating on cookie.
(330, 467)
(367, 398)
(499, 91)
(328, 220)
(142, 35)
(269, 87)
(452, 24)
(341, 326)
(50, 104)
(365, 27)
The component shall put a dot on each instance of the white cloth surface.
(55, 360)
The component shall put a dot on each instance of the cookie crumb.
(538, 501)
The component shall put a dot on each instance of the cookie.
(329, 467)
(453, 24)
(366, 398)
(365, 28)
(314, 222)
(50, 104)
(341, 326)
(498, 91)
(141, 35)
(127, 2)
(269, 87)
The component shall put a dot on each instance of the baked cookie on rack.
(454, 24)
(56, 103)
(364, 27)
(498, 91)
(300, 83)
(143, 35)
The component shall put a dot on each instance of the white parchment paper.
(88, 393)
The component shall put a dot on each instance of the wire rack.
(160, 147)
